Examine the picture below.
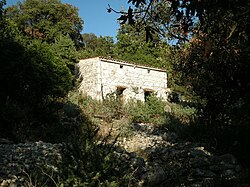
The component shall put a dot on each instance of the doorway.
(147, 94)
(120, 93)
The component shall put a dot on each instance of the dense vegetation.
(36, 67)
(40, 42)
(211, 60)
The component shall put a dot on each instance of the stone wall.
(88, 72)
(103, 76)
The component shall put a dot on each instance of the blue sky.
(95, 16)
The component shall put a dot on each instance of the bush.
(88, 163)
(32, 79)
(152, 111)
(181, 119)
(89, 160)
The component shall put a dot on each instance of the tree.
(175, 19)
(152, 17)
(96, 46)
(33, 75)
(46, 19)
(65, 50)
(89, 41)
(216, 64)
(131, 46)
(213, 63)
(216, 57)
(2, 3)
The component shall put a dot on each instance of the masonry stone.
(101, 76)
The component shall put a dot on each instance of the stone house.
(100, 76)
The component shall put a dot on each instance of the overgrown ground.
(138, 127)
(113, 144)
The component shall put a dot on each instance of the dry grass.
(121, 127)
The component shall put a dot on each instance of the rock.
(4, 183)
(228, 158)
(165, 136)
(4, 141)
(18, 160)
(153, 156)
(203, 173)
(167, 108)
(167, 158)
(139, 172)
(228, 173)
(132, 154)
(155, 177)
(120, 150)
(138, 162)
(136, 126)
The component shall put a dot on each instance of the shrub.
(181, 120)
(152, 111)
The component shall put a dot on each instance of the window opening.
(119, 92)
(121, 66)
(147, 94)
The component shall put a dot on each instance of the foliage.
(96, 46)
(88, 159)
(38, 74)
(132, 47)
(92, 164)
(185, 114)
(172, 19)
(215, 67)
(2, 3)
(212, 68)
(65, 49)
(35, 77)
(32, 77)
(152, 111)
(155, 18)
(45, 20)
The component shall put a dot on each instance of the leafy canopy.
(96, 46)
(35, 73)
(46, 19)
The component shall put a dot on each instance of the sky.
(95, 16)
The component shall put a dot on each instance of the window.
(121, 66)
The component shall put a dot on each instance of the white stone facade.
(101, 76)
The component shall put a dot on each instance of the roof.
(112, 60)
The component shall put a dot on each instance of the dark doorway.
(119, 93)
(147, 94)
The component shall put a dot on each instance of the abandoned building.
(100, 76)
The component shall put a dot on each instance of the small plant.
(113, 107)
(93, 162)
(151, 111)
(181, 119)
(184, 114)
